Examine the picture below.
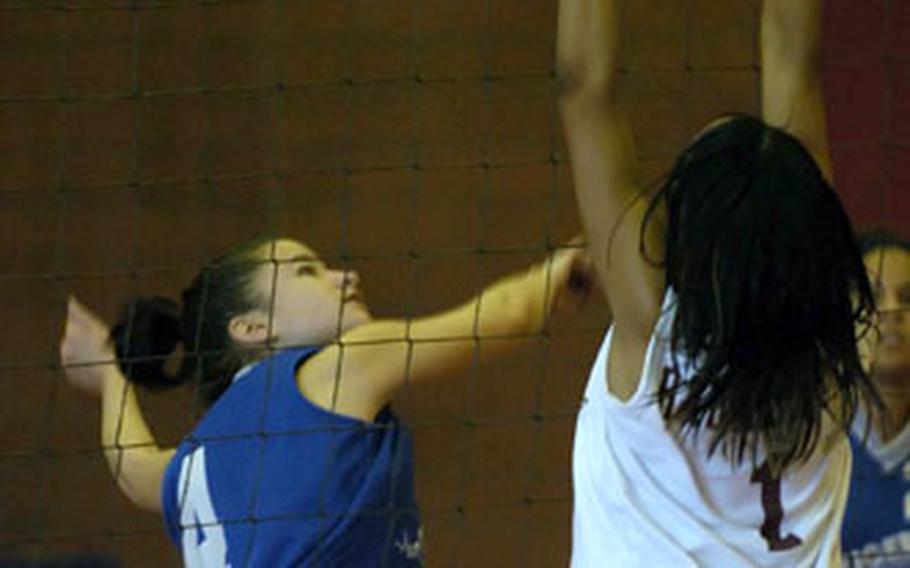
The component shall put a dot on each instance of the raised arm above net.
(792, 91)
(603, 159)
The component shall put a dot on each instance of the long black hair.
(149, 330)
(770, 292)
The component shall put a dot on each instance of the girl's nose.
(348, 278)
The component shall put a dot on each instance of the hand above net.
(86, 353)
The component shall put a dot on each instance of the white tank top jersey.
(646, 496)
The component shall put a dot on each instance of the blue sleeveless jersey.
(876, 528)
(269, 479)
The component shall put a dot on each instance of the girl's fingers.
(81, 313)
(74, 308)
(82, 317)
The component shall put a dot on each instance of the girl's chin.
(356, 318)
(361, 312)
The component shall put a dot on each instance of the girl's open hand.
(86, 353)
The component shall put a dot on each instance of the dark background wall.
(415, 140)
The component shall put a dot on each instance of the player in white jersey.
(877, 524)
(712, 432)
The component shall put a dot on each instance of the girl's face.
(889, 273)
(308, 303)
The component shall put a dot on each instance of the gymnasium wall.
(415, 141)
(867, 80)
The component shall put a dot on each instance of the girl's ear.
(250, 328)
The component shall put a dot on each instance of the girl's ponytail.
(146, 334)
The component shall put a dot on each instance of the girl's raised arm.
(361, 373)
(603, 166)
(134, 457)
(792, 94)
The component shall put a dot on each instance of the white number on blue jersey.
(204, 544)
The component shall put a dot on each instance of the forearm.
(513, 306)
(587, 46)
(598, 136)
(792, 29)
(792, 90)
(134, 457)
(518, 304)
(375, 360)
(603, 157)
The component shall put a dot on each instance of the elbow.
(138, 475)
(577, 81)
(790, 75)
(145, 498)
(567, 81)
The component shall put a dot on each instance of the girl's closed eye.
(307, 269)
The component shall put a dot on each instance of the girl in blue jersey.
(877, 524)
(298, 460)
